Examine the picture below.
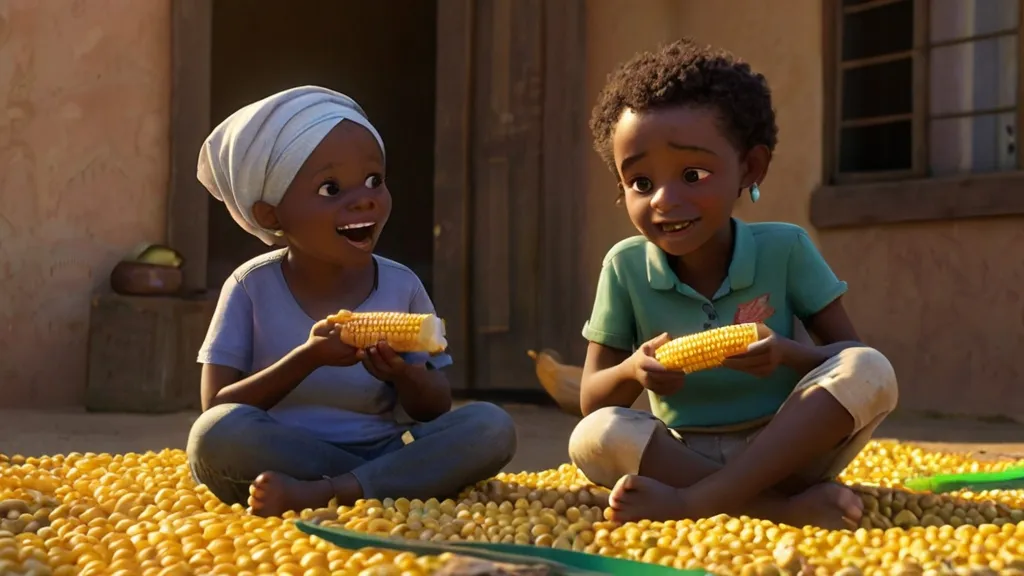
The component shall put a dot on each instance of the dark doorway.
(380, 52)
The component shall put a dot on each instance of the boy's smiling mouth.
(676, 226)
(359, 234)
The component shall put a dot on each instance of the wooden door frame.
(452, 180)
(563, 177)
(188, 204)
(566, 147)
(563, 170)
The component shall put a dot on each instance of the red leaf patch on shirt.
(757, 311)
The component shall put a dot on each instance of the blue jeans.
(231, 444)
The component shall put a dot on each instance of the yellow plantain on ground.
(700, 351)
(131, 514)
(560, 381)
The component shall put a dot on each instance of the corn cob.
(404, 332)
(707, 349)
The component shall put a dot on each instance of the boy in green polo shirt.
(686, 130)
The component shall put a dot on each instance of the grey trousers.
(231, 444)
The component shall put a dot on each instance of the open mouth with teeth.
(358, 232)
(680, 226)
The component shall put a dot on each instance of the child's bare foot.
(640, 498)
(273, 493)
(827, 505)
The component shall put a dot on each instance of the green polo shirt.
(776, 273)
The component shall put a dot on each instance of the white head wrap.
(255, 153)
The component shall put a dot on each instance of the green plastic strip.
(564, 562)
(1010, 479)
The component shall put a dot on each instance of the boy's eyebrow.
(691, 148)
(630, 160)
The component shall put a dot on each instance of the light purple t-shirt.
(258, 321)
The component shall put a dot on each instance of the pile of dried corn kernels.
(142, 514)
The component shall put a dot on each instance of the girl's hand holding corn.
(651, 374)
(325, 348)
(383, 363)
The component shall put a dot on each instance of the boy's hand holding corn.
(651, 374)
(762, 357)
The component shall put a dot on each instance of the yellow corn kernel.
(75, 500)
(402, 331)
(706, 349)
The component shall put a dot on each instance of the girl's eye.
(373, 181)
(329, 189)
(642, 185)
(693, 175)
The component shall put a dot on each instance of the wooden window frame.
(865, 199)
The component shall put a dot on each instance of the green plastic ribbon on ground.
(563, 562)
(1009, 479)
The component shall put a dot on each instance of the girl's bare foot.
(273, 493)
(827, 505)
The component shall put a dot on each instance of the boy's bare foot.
(640, 498)
(827, 505)
(273, 493)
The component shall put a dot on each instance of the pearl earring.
(755, 192)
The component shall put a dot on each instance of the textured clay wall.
(942, 300)
(84, 111)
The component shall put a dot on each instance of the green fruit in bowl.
(157, 254)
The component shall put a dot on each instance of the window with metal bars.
(925, 88)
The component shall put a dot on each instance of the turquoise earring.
(755, 192)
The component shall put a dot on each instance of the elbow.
(227, 397)
(210, 402)
(427, 411)
(440, 408)
(588, 403)
(589, 406)
(596, 394)
(586, 406)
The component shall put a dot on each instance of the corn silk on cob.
(402, 331)
(707, 349)
(141, 514)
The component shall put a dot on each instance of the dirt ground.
(543, 434)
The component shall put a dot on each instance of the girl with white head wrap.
(254, 154)
(281, 393)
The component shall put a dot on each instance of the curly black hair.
(685, 74)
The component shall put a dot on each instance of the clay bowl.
(141, 279)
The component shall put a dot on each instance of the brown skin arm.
(833, 328)
(264, 389)
(607, 379)
(805, 427)
(424, 394)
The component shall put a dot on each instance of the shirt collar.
(741, 269)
